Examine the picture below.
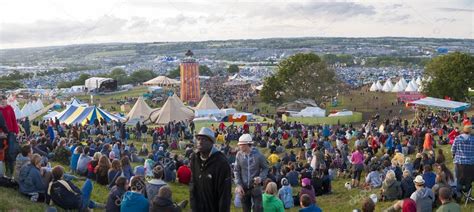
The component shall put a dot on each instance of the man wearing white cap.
(211, 180)
(251, 168)
(423, 197)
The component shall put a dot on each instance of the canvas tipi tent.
(207, 107)
(373, 87)
(396, 88)
(172, 110)
(379, 85)
(387, 86)
(140, 112)
(410, 88)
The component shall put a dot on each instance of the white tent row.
(29, 109)
(387, 86)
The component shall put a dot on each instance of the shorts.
(357, 171)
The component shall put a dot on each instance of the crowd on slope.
(401, 162)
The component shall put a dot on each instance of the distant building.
(189, 71)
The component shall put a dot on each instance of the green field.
(112, 53)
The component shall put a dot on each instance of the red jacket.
(10, 118)
(184, 174)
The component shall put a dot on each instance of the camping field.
(341, 199)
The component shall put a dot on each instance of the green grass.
(112, 53)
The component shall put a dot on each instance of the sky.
(32, 23)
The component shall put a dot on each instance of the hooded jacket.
(153, 186)
(30, 180)
(114, 199)
(135, 202)
(424, 199)
(272, 204)
(392, 189)
(211, 183)
(19, 163)
(248, 167)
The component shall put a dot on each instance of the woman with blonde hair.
(391, 188)
(270, 200)
(92, 164)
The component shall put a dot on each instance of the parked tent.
(379, 85)
(396, 88)
(50, 115)
(402, 83)
(410, 88)
(373, 87)
(387, 86)
(139, 113)
(311, 112)
(172, 110)
(418, 80)
(77, 102)
(80, 115)
(207, 107)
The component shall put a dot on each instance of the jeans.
(86, 195)
(252, 197)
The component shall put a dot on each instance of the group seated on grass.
(307, 156)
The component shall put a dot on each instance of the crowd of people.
(273, 167)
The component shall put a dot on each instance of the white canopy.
(449, 105)
(51, 115)
(162, 81)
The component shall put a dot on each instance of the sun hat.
(245, 139)
(419, 180)
(206, 132)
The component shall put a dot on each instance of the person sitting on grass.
(163, 202)
(21, 159)
(270, 201)
(423, 197)
(447, 205)
(134, 200)
(102, 169)
(391, 188)
(408, 187)
(286, 194)
(307, 205)
(307, 188)
(405, 205)
(115, 195)
(82, 162)
(68, 196)
(153, 186)
(31, 180)
(374, 178)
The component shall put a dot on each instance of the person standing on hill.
(12, 131)
(251, 168)
(463, 152)
(211, 180)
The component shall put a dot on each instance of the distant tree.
(300, 76)
(142, 75)
(174, 73)
(451, 74)
(10, 84)
(120, 75)
(205, 71)
(232, 69)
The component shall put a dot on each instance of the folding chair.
(467, 196)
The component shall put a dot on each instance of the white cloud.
(57, 22)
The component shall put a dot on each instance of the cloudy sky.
(27, 23)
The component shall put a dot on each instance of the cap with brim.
(206, 132)
(419, 180)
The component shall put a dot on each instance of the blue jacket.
(134, 202)
(30, 180)
(430, 179)
(127, 172)
(74, 160)
(311, 208)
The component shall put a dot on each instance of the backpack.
(65, 194)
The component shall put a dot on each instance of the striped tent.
(80, 115)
